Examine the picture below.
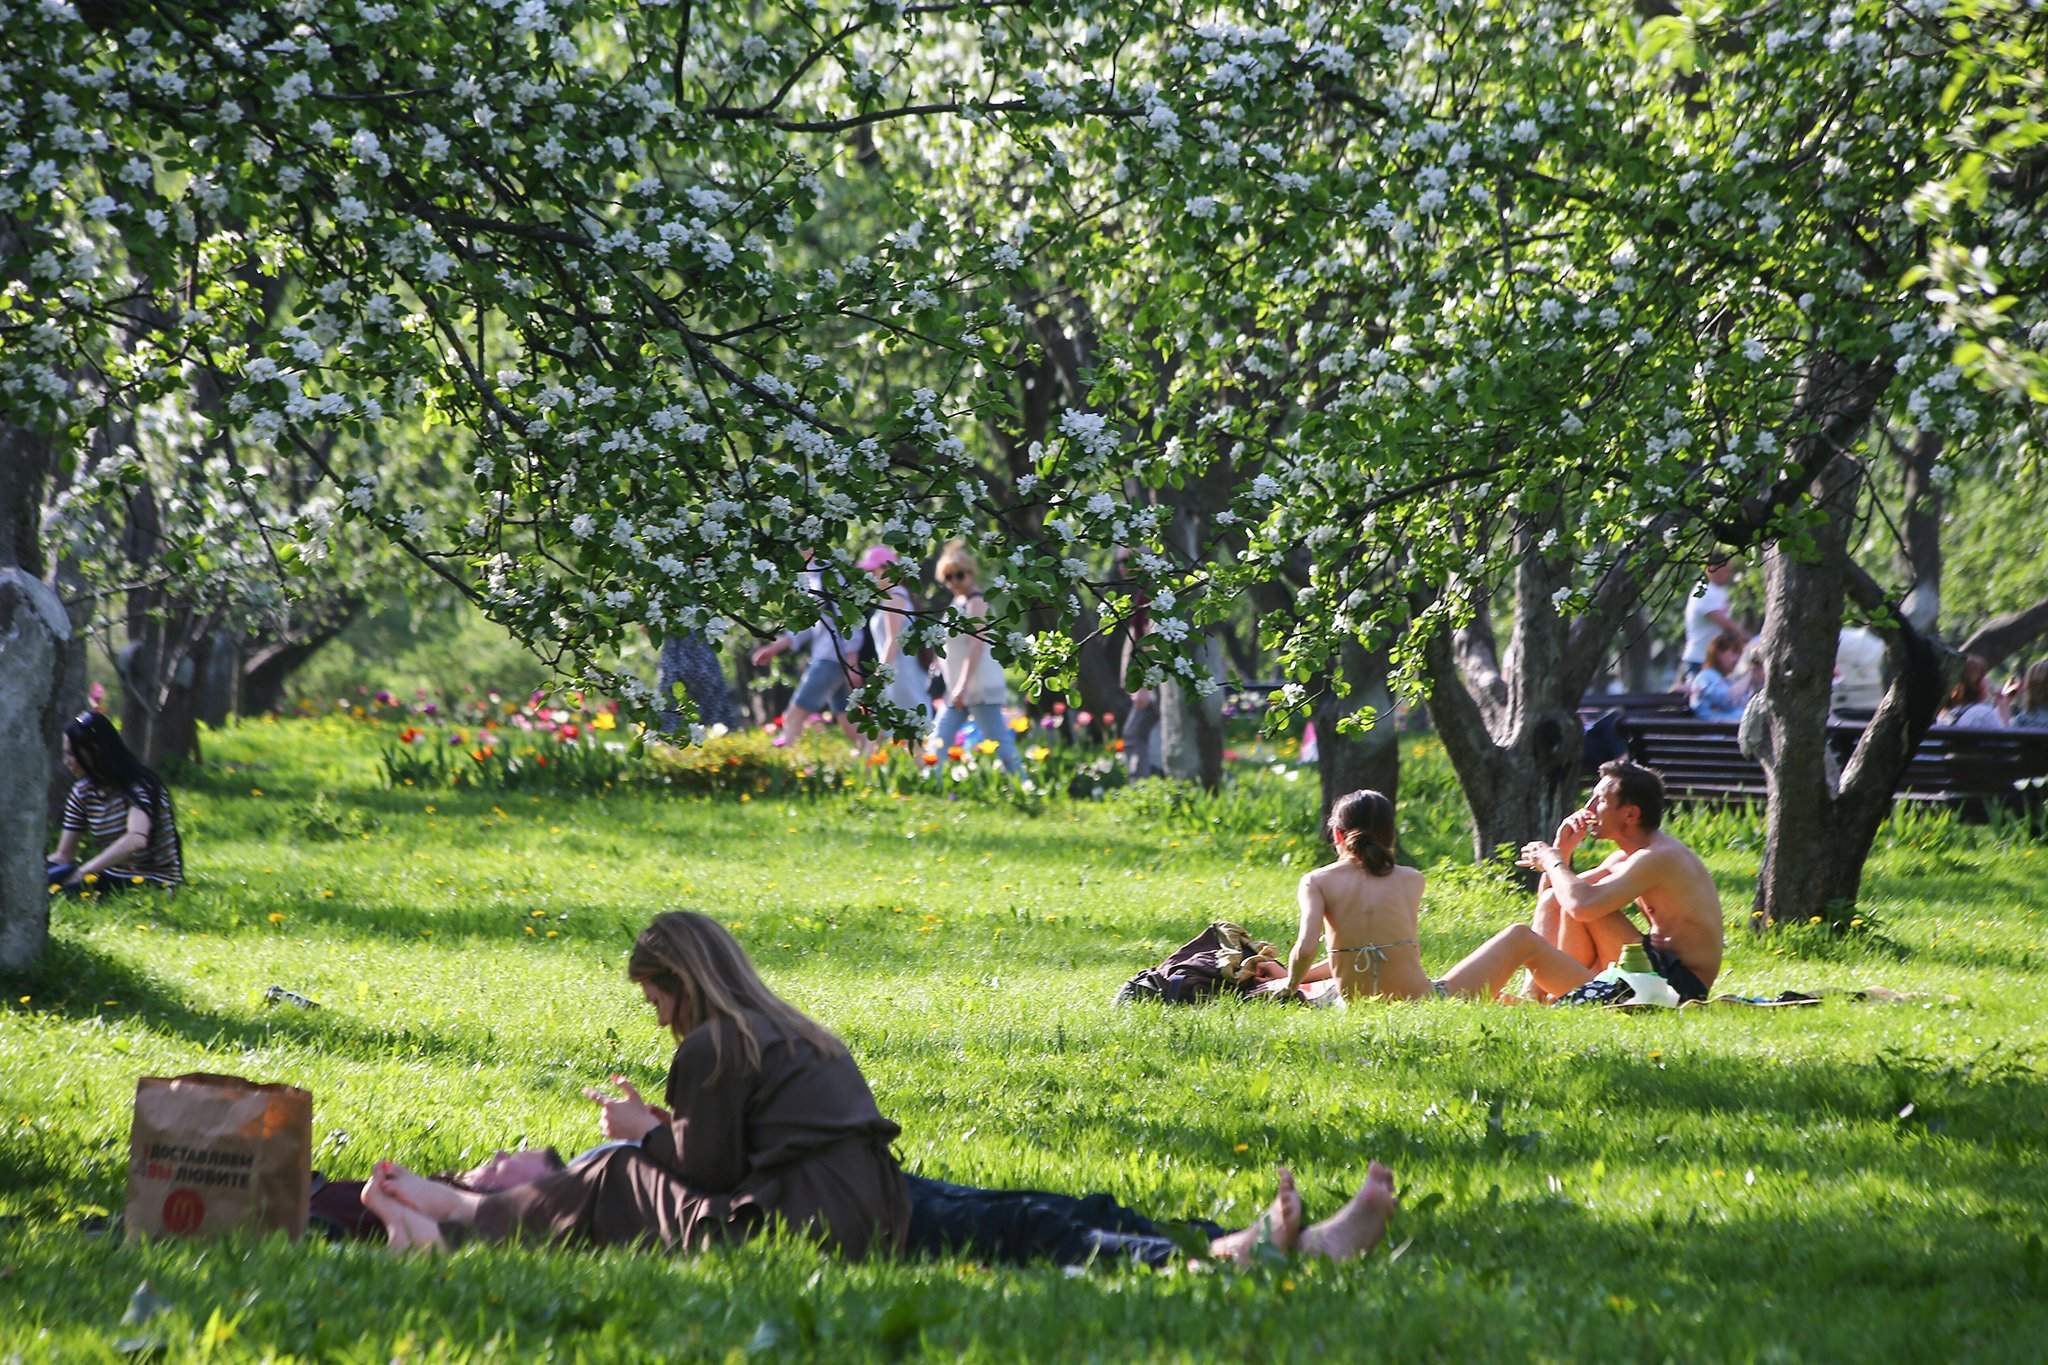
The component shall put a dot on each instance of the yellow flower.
(987, 746)
(91, 877)
(553, 933)
(604, 720)
(255, 791)
(1019, 724)
(539, 914)
(277, 917)
(1037, 752)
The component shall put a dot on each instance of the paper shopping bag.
(210, 1155)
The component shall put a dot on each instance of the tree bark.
(1191, 725)
(267, 667)
(1818, 829)
(1512, 732)
(33, 631)
(1920, 530)
(2004, 636)
(1346, 763)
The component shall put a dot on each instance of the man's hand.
(1572, 832)
(1534, 853)
(766, 652)
(623, 1120)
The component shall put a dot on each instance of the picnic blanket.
(1223, 957)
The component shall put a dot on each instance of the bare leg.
(1278, 1227)
(1358, 1227)
(407, 1228)
(1609, 934)
(1495, 962)
(794, 719)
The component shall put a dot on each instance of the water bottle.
(1633, 967)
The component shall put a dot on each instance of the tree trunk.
(1346, 763)
(1818, 830)
(268, 667)
(217, 683)
(1513, 733)
(1191, 725)
(1920, 531)
(2004, 636)
(1098, 676)
(33, 632)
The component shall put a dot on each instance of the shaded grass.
(1728, 1184)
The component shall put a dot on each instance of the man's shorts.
(1675, 973)
(823, 682)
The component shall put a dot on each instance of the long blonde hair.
(694, 960)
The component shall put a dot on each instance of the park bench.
(1594, 705)
(1973, 770)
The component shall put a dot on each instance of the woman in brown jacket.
(768, 1121)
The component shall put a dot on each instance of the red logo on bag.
(184, 1211)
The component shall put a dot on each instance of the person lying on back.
(1587, 916)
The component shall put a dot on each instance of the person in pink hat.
(905, 684)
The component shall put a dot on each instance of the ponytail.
(1363, 825)
(1368, 852)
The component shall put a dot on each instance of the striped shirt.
(103, 815)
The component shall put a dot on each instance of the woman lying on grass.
(770, 1121)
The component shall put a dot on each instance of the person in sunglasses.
(975, 686)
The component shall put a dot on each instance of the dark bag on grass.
(210, 1155)
(1220, 957)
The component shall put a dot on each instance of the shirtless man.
(1582, 922)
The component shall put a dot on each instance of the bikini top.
(1374, 954)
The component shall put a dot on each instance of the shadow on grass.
(76, 981)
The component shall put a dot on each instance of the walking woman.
(768, 1122)
(974, 680)
(119, 805)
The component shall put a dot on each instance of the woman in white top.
(974, 680)
(904, 683)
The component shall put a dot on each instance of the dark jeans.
(1020, 1226)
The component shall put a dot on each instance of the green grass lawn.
(1851, 1181)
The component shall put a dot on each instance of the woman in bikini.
(1369, 905)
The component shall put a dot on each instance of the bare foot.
(1278, 1227)
(439, 1202)
(1356, 1228)
(407, 1228)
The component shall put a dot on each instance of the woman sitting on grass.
(771, 1121)
(1370, 905)
(122, 806)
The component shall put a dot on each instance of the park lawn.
(1853, 1180)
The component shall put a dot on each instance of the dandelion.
(1036, 753)
(277, 917)
(255, 791)
(1019, 724)
(554, 933)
